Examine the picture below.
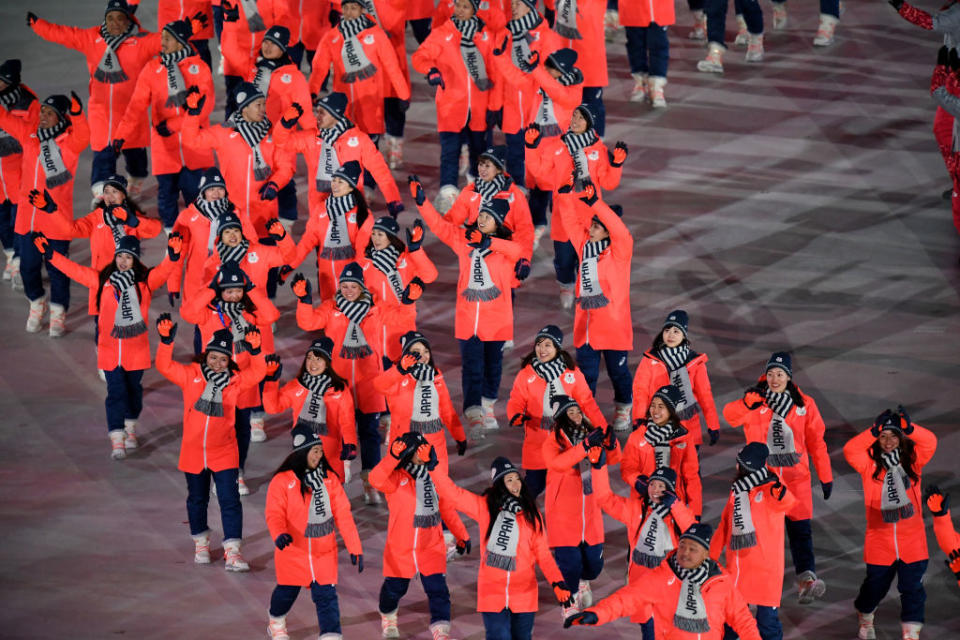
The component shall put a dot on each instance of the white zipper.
(476, 319)
(33, 214)
(110, 116)
(206, 426)
(313, 575)
(506, 592)
(183, 163)
(416, 535)
(896, 547)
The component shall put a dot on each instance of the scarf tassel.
(691, 625)
(212, 409)
(255, 23)
(743, 541)
(425, 522)
(900, 513)
(179, 99)
(322, 185)
(59, 179)
(484, 84)
(337, 253)
(498, 561)
(571, 33)
(362, 74)
(550, 130)
(110, 77)
(262, 173)
(427, 426)
(356, 353)
(318, 428)
(481, 295)
(593, 302)
(319, 529)
(689, 411)
(646, 560)
(783, 459)
(131, 331)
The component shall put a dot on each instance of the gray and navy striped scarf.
(128, 320)
(676, 359)
(490, 188)
(427, 512)
(313, 413)
(210, 401)
(576, 143)
(212, 210)
(328, 162)
(520, 33)
(743, 534)
(238, 324)
(251, 11)
(504, 536)
(265, 68)
(659, 437)
(591, 292)
(780, 437)
(385, 261)
(691, 612)
(425, 417)
(895, 504)
(320, 516)
(253, 133)
(566, 20)
(356, 64)
(354, 345)
(653, 539)
(336, 244)
(232, 254)
(176, 85)
(54, 168)
(108, 69)
(472, 59)
(550, 372)
(116, 225)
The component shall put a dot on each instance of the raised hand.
(275, 230)
(753, 398)
(274, 368)
(416, 190)
(195, 101)
(174, 246)
(302, 289)
(413, 291)
(76, 105)
(532, 136)
(619, 154)
(42, 201)
(253, 340)
(166, 328)
(415, 236)
(291, 116)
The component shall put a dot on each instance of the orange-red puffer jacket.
(499, 589)
(108, 101)
(639, 459)
(887, 542)
(467, 206)
(494, 13)
(171, 10)
(590, 47)
(526, 397)
(307, 560)
(341, 422)
(314, 21)
(419, 9)
(808, 430)
(410, 550)
(757, 571)
(257, 262)
(641, 14)
(287, 85)
(240, 46)
(28, 110)
(359, 373)
(314, 239)
(197, 246)
(652, 374)
(208, 442)
(392, 17)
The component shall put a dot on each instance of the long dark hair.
(792, 389)
(202, 359)
(297, 462)
(658, 342)
(397, 243)
(563, 422)
(336, 381)
(674, 418)
(495, 495)
(363, 209)
(568, 360)
(248, 305)
(503, 231)
(140, 273)
(908, 458)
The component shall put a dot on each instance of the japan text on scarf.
(472, 59)
(108, 69)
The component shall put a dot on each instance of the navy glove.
(291, 116)
(714, 436)
(231, 12)
(42, 244)
(827, 488)
(301, 288)
(905, 420)
(43, 201)
(461, 447)
(640, 484)
(282, 274)
(593, 439)
(269, 191)
(163, 129)
(195, 101)
(464, 547)
(435, 78)
(518, 419)
(522, 269)
(415, 236)
(394, 208)
(416, 190)
(167, 328)
(357, 560)
(283, 540)
(582, 618)
(174, 246)
(274, 368)
(117, 145)
(668, 498)
(349, 452)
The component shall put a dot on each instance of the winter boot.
(394, 151)
(242, 487)
(713, 63)
(445, 198)
(450, 545)
(539, 230)
(58, 320)
(911, 630)
(742, 35)
(474, 416)
(16, 280)
(464, 164)
(657, 83)
(639, 91)
(441, 630)
(8, 269)
(566, 296)
(621, 417)
(489, 419)
(331, 636)
(611, 22)
(134, 186)
(779, 16)
(574, 608)
(699, 30)
(117, 451)
(201, 548)
(810, 587)
(824, 37)
(585, 594)
(384, 422)
(38, 309)
(277, 628)
(232, 559)
(130, 434)
(370, 495)
(388, 624)
(755, 49)
(866, 631)
(257, 433)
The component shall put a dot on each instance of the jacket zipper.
(206, 425)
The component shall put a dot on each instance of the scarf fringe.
(429, 426)
(481, 295)
(9, 146)
(484, 84)
(318, 428)
(426, 522)
(900, 513)
(322, 185)
(362, 74)
(177, 100)
(59, 179)
(212, 409)
(356, 353)
(255, 23)
(319, 530)
(550, 130)
(743, 541)
(131, 331)
(498, 561)
(646, 560)
(783, 459)
(567, 32)
(110, 77)
(337, 253)
(692, 625)
(262, 173)
(593, 302)
(688, 412)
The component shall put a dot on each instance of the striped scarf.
(54, 168)
(550, 372)
(265, 68)
(210, 401)
(691, 612)
(425, 417)
(127, 320)
(355, 344)
(653, 539)
(659, 437)
(780, 438)
(176, 85)
(676, 358)
(253, 133)
(576, 143)
(574, 438)
(743, 534)
(490, 188)
(385, 261)
(472, 59)
(238, 324)
(566, 20)
(895, 503)
(519, 30)
(320, 516)
(336, 244)
(116, 225)
(329, 162)
(232, 254)
(108, 69)
(546, 116)
(212, 210)
(481, 287)
(427, 512)
(10, 98)
(313, 413)
(591, 292)
(356, 64)
(504, 536)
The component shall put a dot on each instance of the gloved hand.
(394, 207)
(274, 368)
(302, 288)
(714, 435)
(522, 269)
(403, 446)
(905, 422)
(943, 56)
(121, 213)
(827, 488)
(499, 51)
(269, 190)
(593, 439)
(527, 66)
(477, 238)
(117, 145)
(291, 116)
(435, 78)
(407, 361)
(428, 455)
(588, 618)
(562, 593)
(43, 201)
(753, 398)
(275, 230)
(31, 18)
(619, 154)
(896, 4)
(567, 186)
(464, 547)
(640, 484)
(881, 420)
(252, 341)
(195, 101)
(198, 22)
(284, 271)
(461, 447)
(167, 328)
(416, 190)
(172, 297)
(519, 419)
(597, 457)
(283, 540)
(779, 490)
(413, 291)
(231, 11)
(348, 452)
(333, 17)
(589, 196)
(163, 130)
(494, 118)
(937, 501)
(532, 136)
(42, 244)
(667, 498)
(953, 563)
(76, 105)
(356, 559)
(415, 236)
(174, 246)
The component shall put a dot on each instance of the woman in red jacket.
(661, 440)
(890, 456)
(514, 540)
(304, 502)
(579, 23)
(545, 372)
(484, 312)
(671, 361)
(123, 291)
(320, 400)
(211, 385)
(776, 412)
(415, 543)
(751, 529)
(572, 511)
(244, 26)
(354, 323)
(254, 257)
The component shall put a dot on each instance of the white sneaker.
(824, 37)
(866, 630)
(585, 594)
(657, 99)
(38, 309)
(507, 346)
(713, 63)
(464, 163)
(58, 320)
(130, 434)
(232, 559)
(450, 543)
(639, 91)
(566, 296)
(117, 450)
(446, 197)
(394, 151)
(277, 628)
(201, 548)
(489, 418)
(538, 232)
(440, 630)
(16, 280)
(370, 495)
(102, 375)
(742, 35)
(779, 16)
(566, 612)
(621, 417)
(388, 624)
(8, 268)
(242, 487)
(474, 416)
(911, 630)
(810, 587)
(699, 31)
(755, 49)
(257, 432)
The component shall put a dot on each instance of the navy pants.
(516, 161)
(105, 163)
(31, 261)
(324, 599)
(170, 186)
(420, 28)
(536, 481)
(202, 47)
(593, 97)
(481, 369)
(583, 562)
(828, 7)
(716, 11)
(565, 261)
(241, 425)
(368, 437)
(801, 545)
(695, 5)
(768, 624)
(287, 202)
(648, 49)
(228, 495)
(588, 359)
(647, 630)
(450, 142)
(539, 203)
(8, 218)
(394, 116)
(909, 584)
(434, 585)
(507, 625)
(124, 396)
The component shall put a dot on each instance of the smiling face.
(48, 117)
(256, 111)
(421, 350)
(546, 349)
(463, 9)
(214, 193)
(112, 195)
(777, 379)
(270, 50)
(231, 236)
(169, 44)
(379, 239)
(314, 455)
(486, 170)
(217, 361)
(888, 440)
(116, 22)
(575, 415)
(513, 483)
(351, 11)
(518, 9)
(655, 490)
(659, 412)
(486, 223)
(233, 294)
(124, 261)
(339, 187)
(351, 290)
(690, 554)
(314, 364)
(672, 336)
(578, 124)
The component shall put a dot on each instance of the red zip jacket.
(652, 374)
(460, 103)
(314, 21)
(258, 261)
(391, 15)
(808, 430)
(208, 442)
(133, 354)
(410, 550)
(236, 164)
(494, 13)
(287, 85)
(358, 373)
(419, 9)
(353, 144)
(887, 542)
(108, 101)
(641, 14)
(172, 153)
(102, 245)
(172, 10)
(341, 423)
(639, 459)
(328, 269)
(195, 229)
(526, 396)
(591, 47)
(291, 18)
(660, 590)
(549, 167)
(28, 110)
(56, 225)
(307, 560)
(571, 516)
(400, 387)
(467, 206)
(365, 96)
(499, 589)
(486, 319)
(240, 46)
(757, 572)
(608, 327)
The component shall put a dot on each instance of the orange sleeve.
(79, 136)
(346, 418)
(738, 617)
(423, 266)
(252, 374)
(450, 416)
(321, 62)
(857, 451)
(172, 371)
(735, 413)
(310, 318)
(573, 219)
(76, 38)
(721, 535)
(344, 517)
(275, 512)
(704, 394)
(137, 107)
(947, 537)
(275, 401)
(466, 502)
(690, 469)
(385, 477)
(84, 275)
(816, 446)
(630, 463)
(160, 274)
(558, 460)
